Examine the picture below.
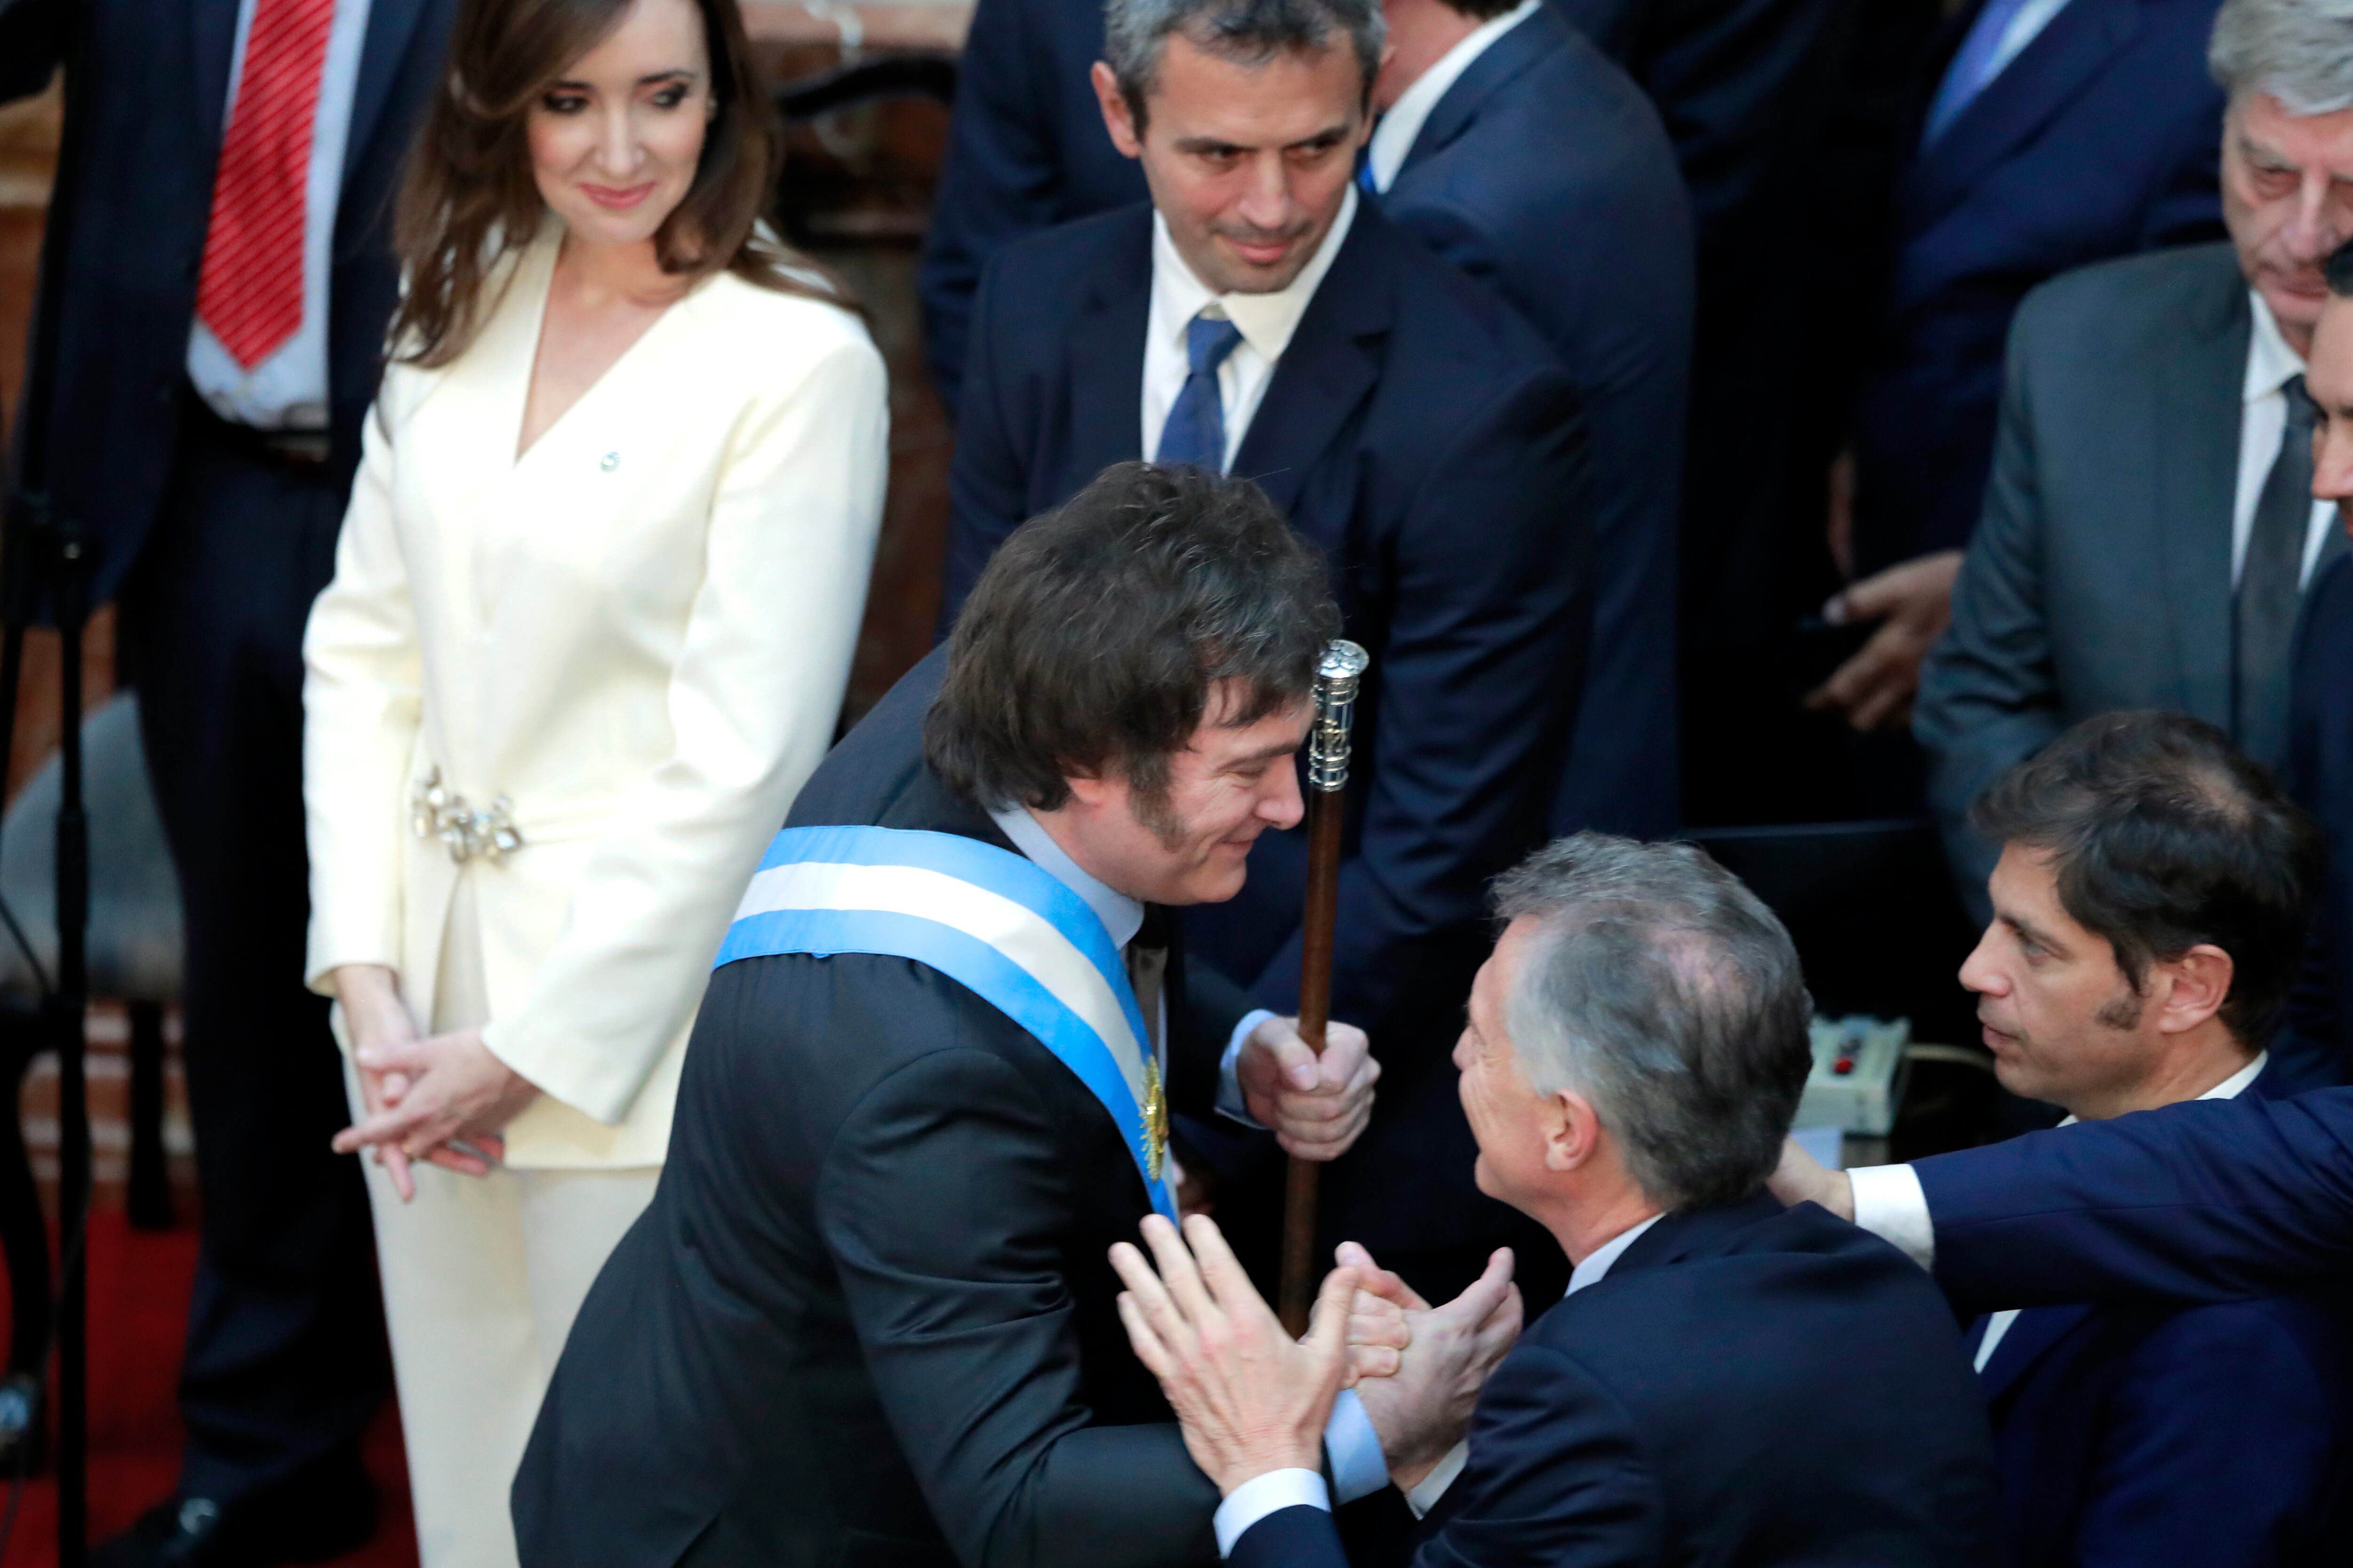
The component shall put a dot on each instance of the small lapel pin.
(610, 461)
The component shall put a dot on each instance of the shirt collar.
(1596, 1263)
(2230, 1087)
(2270, 363)
(1267, 320)
(1120, 915)
(1394, 137)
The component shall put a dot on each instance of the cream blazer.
(638, 635)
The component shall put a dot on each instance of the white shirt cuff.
(1262, 1495)
(1230, 1104)
(1889, 1204)
(1354, 1450)
(1431, 1487)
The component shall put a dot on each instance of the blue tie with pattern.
(1196, 430)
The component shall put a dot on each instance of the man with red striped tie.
(223, 284)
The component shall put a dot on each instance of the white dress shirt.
(288, 390)
(1394, 137)
(2270, 363)
(1889, 1203)
(1266, 322)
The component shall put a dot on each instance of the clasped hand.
(1249, 1399)
(1316, 1105)
(442, 1099)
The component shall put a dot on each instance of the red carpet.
(139, 1283)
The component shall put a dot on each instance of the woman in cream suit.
(591, 621)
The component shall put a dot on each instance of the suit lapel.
(389, 25)
(2195, 403)
(213, 50)
(1106, 364)
(2029, 1339)
(2038, 84)
(1505, 60)
(1331, 363)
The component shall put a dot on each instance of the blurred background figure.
(2149, 523)
(590, 626)
(222, 297)
(2060, 133)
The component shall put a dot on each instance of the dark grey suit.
(2099, 577)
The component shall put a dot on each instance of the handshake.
(1251, 1400)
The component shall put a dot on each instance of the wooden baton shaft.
(1324, 813)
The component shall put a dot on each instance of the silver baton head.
(1337, 675)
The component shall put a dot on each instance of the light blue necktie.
(1972, 66)
(1196, 430)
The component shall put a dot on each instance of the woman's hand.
(453, 1091)
(376, 1019)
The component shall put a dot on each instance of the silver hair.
(2298, 51)
(1136, 31)
(1664, 992)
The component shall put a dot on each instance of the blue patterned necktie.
(1196, 430)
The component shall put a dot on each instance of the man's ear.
(1571, 1130)
(2200, 985)
(1118, 120)
(1093, 791)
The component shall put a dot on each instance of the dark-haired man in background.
(2147, 906)
(1727, 1382)
(868, 1317)
(1263, 316)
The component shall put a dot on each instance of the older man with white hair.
(1726, 1381)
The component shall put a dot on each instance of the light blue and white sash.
(991, 920)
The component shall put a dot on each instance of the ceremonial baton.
(1337, 675)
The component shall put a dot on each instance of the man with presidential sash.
(868, 1317)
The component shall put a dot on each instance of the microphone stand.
(45, 561)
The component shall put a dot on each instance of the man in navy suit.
(202, 397)
(1263, 316)
(2059, 134)
(1514, 149)
(2151, 882)
(1726, 1381)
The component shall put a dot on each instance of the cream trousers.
(483, 1276)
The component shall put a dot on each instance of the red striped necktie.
(251, 292)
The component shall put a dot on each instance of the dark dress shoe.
(322, 1514)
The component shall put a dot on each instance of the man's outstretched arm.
(2206, 1201)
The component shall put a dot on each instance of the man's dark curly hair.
(1094, 637)
(2163, 836)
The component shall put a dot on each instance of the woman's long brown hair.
(468, 198)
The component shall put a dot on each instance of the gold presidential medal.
(1155, 1117)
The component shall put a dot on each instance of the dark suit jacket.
(1417, 433)
(145, 135)
(2311, 1050)
(2207, 1201)
(2154, 1432)
(2102, 138)
(1545, 173)
(867, 1318)
(2100, 575)
(1747, 1384)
